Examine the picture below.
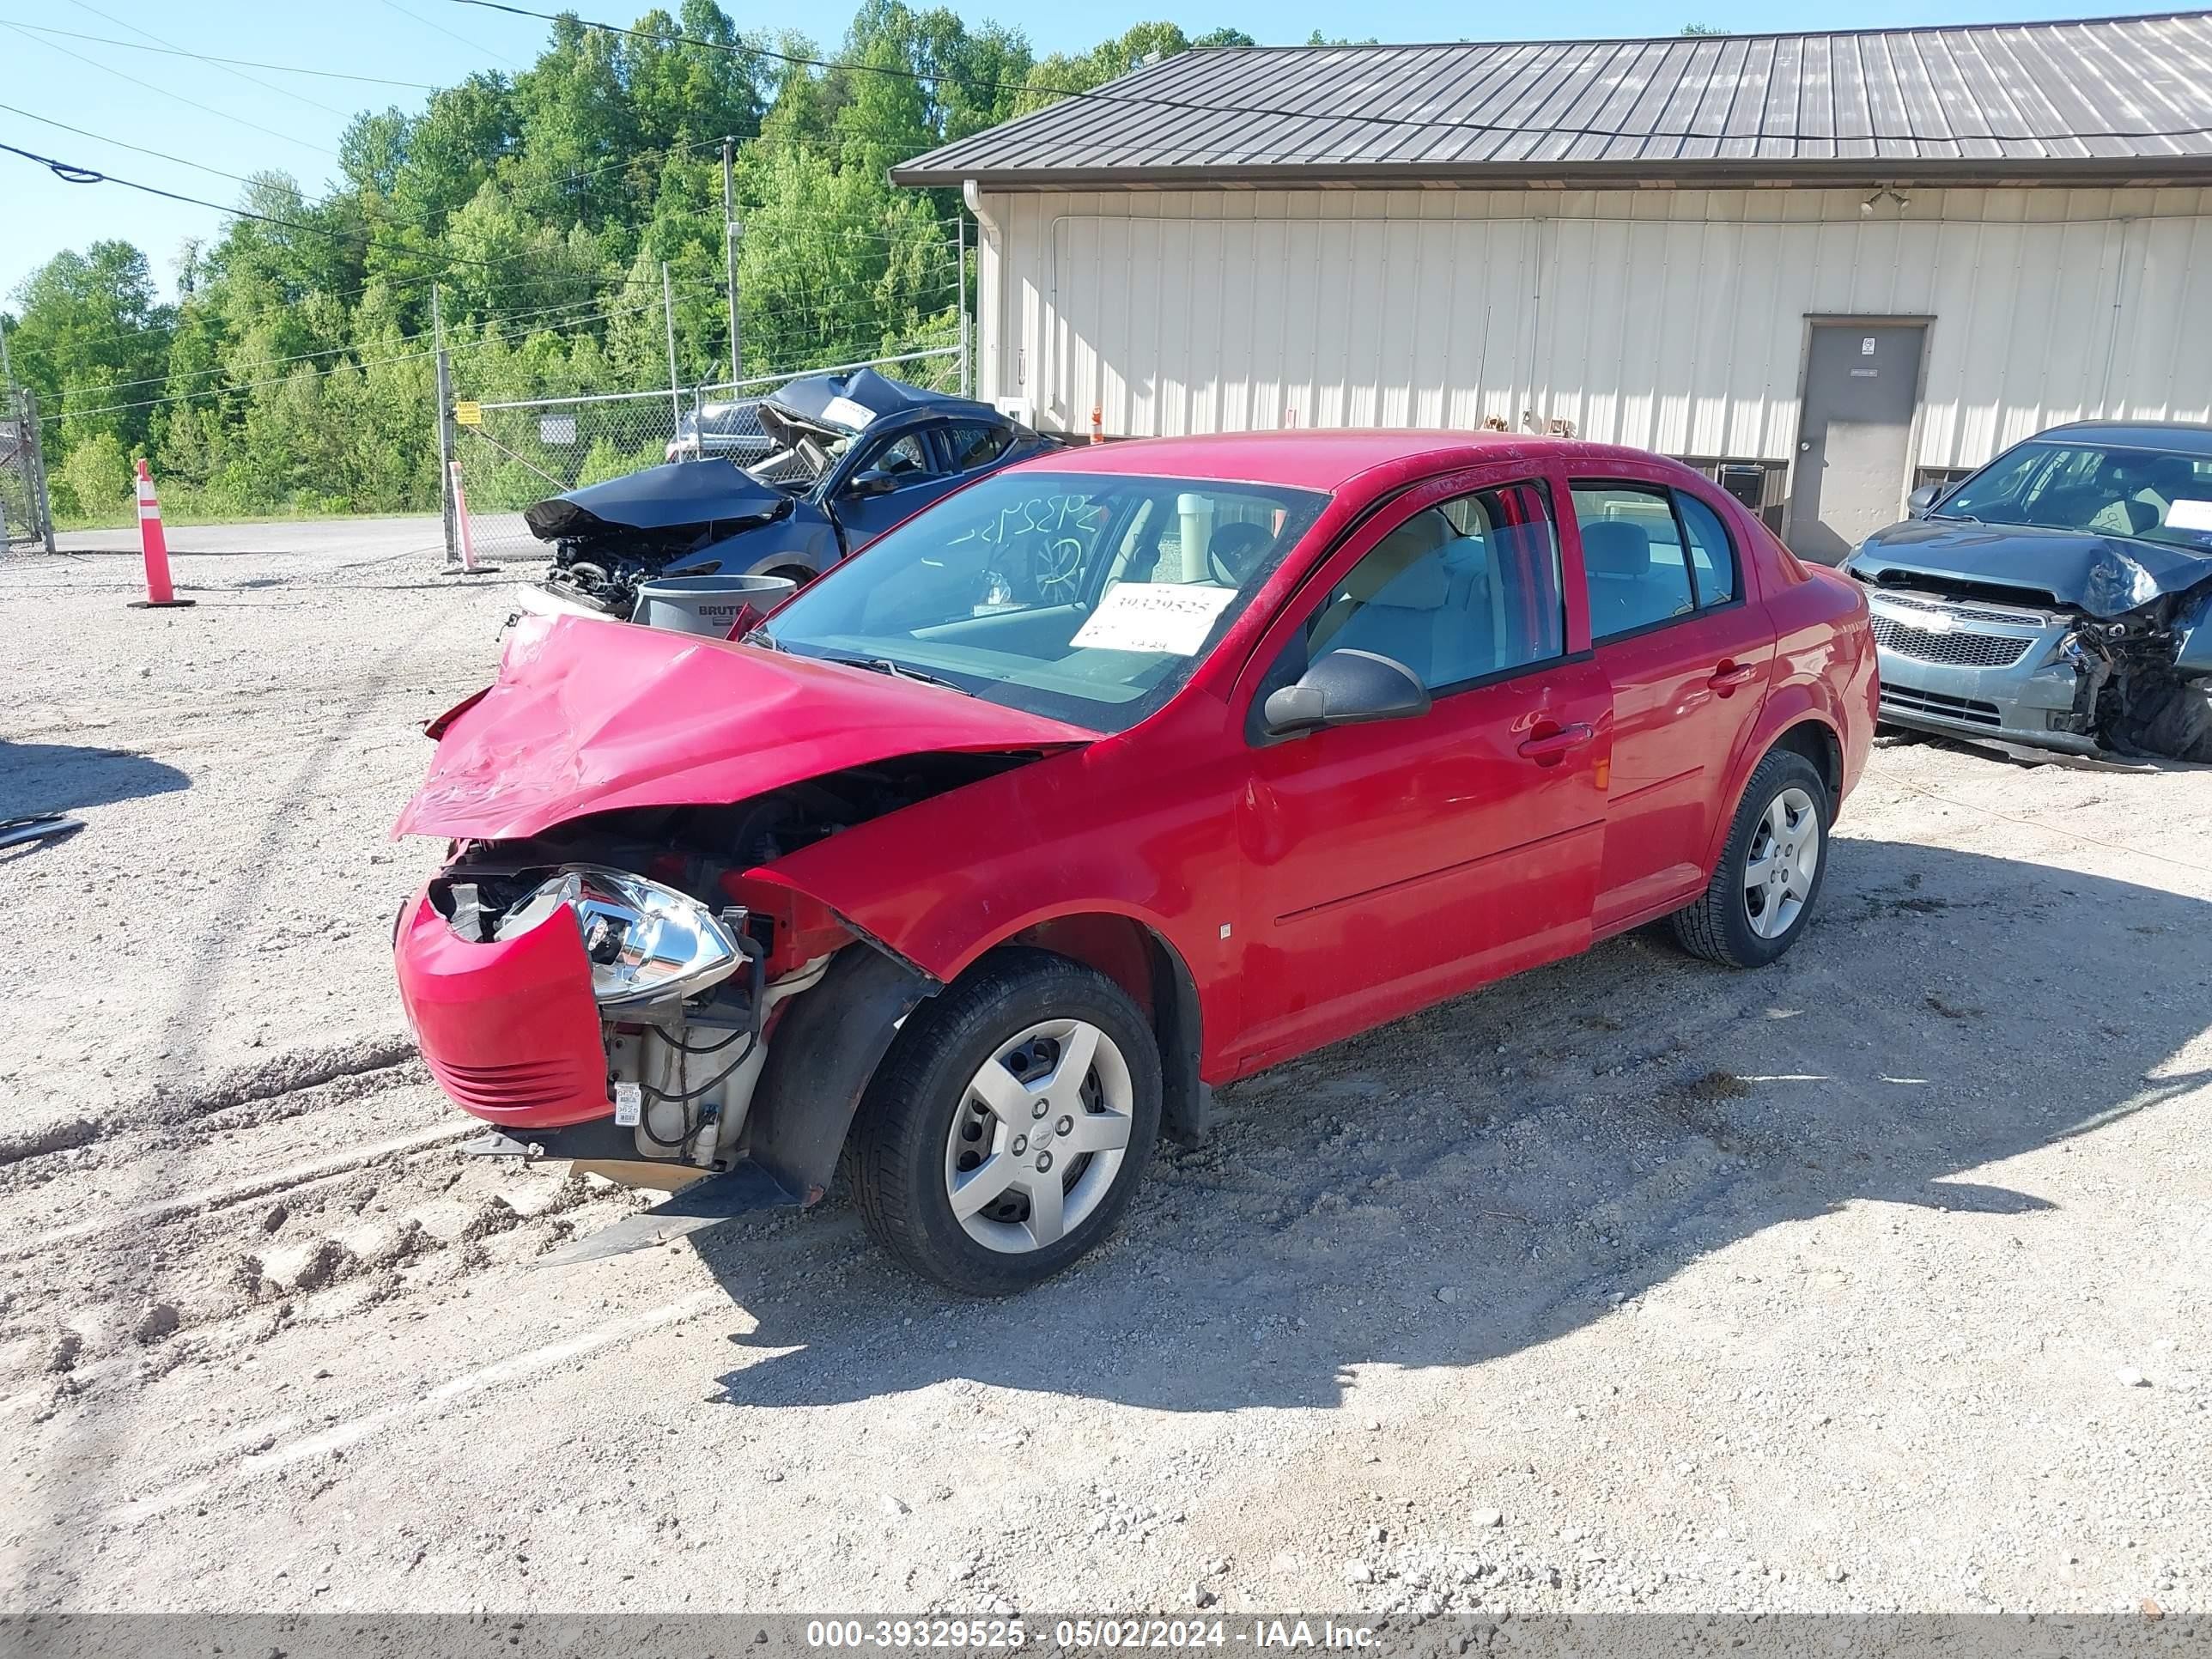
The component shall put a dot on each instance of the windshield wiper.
(897, 671)
(1956, 518)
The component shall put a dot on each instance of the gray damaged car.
(849, 456)
(2061, 598)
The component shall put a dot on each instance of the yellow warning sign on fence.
(468, 414)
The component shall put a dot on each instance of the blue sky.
(240, 121)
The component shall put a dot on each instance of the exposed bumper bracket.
(495, 1145)
(744, 1190)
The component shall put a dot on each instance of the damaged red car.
(1116, 776)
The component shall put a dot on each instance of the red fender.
(1027, 856)
(1819, 619)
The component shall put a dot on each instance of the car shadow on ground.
(59, 777)
(1502, 1171)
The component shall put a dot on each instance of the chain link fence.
(26, 519)
(514, 454)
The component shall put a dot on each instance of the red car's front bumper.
(509, 1029)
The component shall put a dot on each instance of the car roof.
(2177, 437)
(1317, 459)
(829, 399)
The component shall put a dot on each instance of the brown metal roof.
(2101, 100)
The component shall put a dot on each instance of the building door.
(1855, 425)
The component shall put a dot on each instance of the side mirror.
(872, 483)
(1922, 502)
(1344, 688)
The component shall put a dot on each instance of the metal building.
(1826, 267)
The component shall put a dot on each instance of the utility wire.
(175, 376)
(122, 143)
(235, 74)
(846, 345)
(525, 182)
(205, 109)
(891, 236)
(210, 392)
(394, 6)
(1155, 101)
(243, 63)
(70, 172)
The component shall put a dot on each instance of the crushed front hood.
(2104, 576)
(659, 498)
(590, 716)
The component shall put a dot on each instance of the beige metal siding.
(1674, 320)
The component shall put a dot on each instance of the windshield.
(1089, 599)
(2151, 495)
(802, 466)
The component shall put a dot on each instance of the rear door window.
(972, 444)
(1712, 556)
(1632, 558)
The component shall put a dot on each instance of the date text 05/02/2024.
(1078, 1634)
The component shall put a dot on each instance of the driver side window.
(902, 460)
(1459, 592)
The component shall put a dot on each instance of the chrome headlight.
(647, 943)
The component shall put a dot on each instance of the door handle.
(1554, 745)
(1730, 675)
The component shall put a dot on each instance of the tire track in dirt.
(212, 957)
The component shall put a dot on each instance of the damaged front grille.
(1909, 699)
(1958, 648)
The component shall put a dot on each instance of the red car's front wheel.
(1010, 1125)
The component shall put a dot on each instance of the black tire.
(899, 1139)
(1718, 926)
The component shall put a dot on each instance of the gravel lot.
(1875, 1280)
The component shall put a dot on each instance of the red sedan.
(1117, 775)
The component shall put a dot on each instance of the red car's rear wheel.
(1762, 892)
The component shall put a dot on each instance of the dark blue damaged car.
(848, 456)
(2061, 598)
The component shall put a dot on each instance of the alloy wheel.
(1784, 857)
(1039, 1136)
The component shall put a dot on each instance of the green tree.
(294, 373)
(94, 481)
(91, 336)
(1055, 76)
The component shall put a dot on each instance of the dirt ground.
(1879, 1279)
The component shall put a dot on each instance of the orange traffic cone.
(1097, 426)
(156, 546)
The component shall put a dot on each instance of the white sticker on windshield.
(2186, 514)
(843, 411)
(1169, 618)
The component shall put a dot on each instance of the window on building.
(1943, 476)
